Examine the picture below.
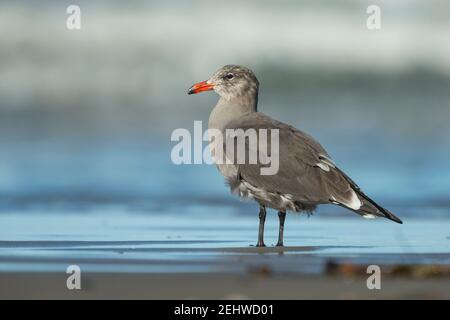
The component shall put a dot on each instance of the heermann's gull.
(306, 177)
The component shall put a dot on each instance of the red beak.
(199, 87)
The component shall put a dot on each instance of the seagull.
(307, 176)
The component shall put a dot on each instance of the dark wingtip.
(398, 220)
(392, 217)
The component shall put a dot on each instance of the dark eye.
(229, 76)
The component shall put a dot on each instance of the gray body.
(307, 175)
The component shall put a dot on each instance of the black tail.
(369, 207)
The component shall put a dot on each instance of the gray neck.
(226, 111)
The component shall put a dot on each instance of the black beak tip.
(190, 91)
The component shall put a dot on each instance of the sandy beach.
(216, 286)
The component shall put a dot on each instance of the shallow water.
(125, 207)
(118, 242)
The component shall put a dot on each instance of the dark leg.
(282, 216)
(262, 220)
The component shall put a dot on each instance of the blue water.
(128, 208)
(115, 241)
(141, 176)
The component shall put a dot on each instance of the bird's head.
(229, 82)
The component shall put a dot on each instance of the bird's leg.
(262, 220)
(281, 216)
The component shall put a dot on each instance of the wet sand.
(174, 257)
(216, 286)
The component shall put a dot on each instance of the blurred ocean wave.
(129, 67)
(132, 53)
